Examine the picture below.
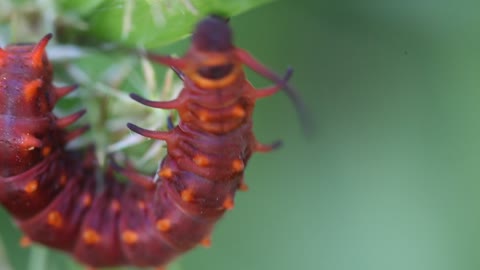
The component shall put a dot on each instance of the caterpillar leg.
(265, 148)
(242, 186)
(25, 241)
(206, 242)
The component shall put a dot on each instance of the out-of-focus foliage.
(126, 23)
(84, 7)
(155, 23)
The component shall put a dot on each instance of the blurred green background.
(391, 178)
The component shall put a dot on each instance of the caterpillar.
(59, 199)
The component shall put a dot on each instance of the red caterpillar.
(54, 194)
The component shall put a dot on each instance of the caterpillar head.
(211, 62)
(213, 34)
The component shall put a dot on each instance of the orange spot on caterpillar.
(206, 242)
(238, 165)
(91, 237)
(201, 160)
(46, 151)
(187, 195)
(63, 179)
(238, 111)
(163, 225)
(30, 89)
(228, 203)
(203, 115)
(166, 173)
(129, 237)
(243, 187)
(31, 187)
(141, 205)
(115, 205)
(55, 219)
(87, 200)
(25, 241)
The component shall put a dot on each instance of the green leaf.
(154, 23)
(79, 7)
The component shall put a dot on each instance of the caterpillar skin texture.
(57, 196)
